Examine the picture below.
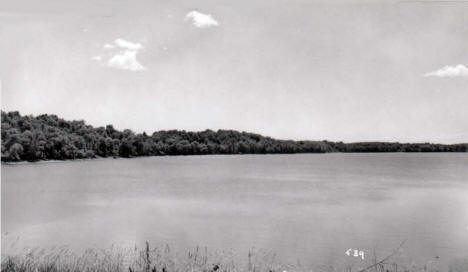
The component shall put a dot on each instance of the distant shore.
(45, 161)
(48, 138)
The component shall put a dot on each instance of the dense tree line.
(48, 137)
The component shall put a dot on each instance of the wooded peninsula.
(48, 137)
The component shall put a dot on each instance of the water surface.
(311, 207)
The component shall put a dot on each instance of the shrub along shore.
(48, 137)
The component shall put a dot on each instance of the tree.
(50, 137)
(15, 152)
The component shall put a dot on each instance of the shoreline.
(12, 163)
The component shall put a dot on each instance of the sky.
(297, 69)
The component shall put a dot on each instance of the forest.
(48, 137)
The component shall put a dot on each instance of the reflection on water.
(310, 207)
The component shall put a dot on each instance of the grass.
(157, 259)
(162, 259)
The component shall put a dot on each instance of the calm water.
(310, 207)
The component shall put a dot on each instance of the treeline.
(48, 137)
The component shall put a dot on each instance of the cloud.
(449, 71)
(126, 60)
(201, 20)
(128, 45)
(124, 56)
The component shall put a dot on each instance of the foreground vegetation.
(146, 259)
(48, 137)
(136, 260)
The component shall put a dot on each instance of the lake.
(307, 207)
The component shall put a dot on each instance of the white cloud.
(128, 45)
(124, 56)
(201, 20)
(126, 60)
(449, 71)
